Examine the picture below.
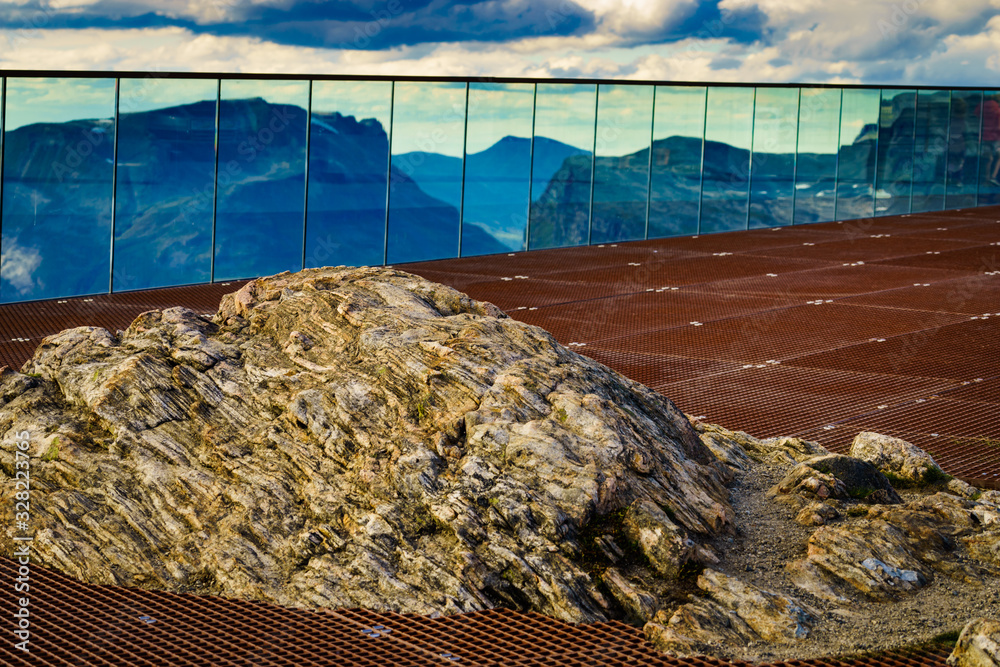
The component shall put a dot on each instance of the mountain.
(59, 182)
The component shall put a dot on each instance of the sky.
(918, 42)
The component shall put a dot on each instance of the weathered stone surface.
(640, 606)
(733, 614)
(664, 543)
(836, 476)
(896, 549)
(772, 616)
(736, 448)
(872, 557)
(816, 514)
(344, 437)
(978, 645)
(700, 626)
(896, 456)
(962, 489)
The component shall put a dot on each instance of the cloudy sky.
(926, 42)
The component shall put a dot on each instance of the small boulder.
(816, 514)
(978, 645)
(962, 489)
(837, 476)
(638, 604)
(664, 543)
(896, 457)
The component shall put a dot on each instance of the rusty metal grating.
(108, 626)
(23, 325)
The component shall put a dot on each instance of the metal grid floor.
(111, 626)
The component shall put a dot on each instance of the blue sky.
(924, 42)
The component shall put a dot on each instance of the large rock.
(344, 437)
(978, 645)
(896, 457)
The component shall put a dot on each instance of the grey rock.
(733, 614)
(896, 549)
(345, 437)
(664, 543)
(640, 606)
(896, 456)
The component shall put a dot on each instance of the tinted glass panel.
(58, 150)
(856, 163)
(895, 152)
(425, 190)
(728, 132)
(166, 182)
(675, 175)
(348, 172)
(989, 161)
(963, 148)
(772, 172)
(621, 170)
(930, 150)
(262, 171)
(816, 162)
(561, 167)
(497, 168)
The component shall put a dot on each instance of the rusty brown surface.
(109, 626)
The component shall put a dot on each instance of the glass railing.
(132, 181)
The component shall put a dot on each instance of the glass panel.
(772, 171)
(856, 163)
(816, 162)
(262, 176)
(930, 150)
(895, 152)
(989, 161)
(562, 167)
(963, 148)
(621, 170)
(166, 182)
(348, 173)
(728, 133)
(425, 188)
(675, 178)
(497, 168)
(58, 152)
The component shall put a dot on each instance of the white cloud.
(627, 17)
(930, 42)
(17, 264)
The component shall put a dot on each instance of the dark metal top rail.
(104, 74)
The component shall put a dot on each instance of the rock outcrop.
(737, 449)
(819, 478)
(351, 437)
(895, 456)
(978, 645)
(897, 549)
